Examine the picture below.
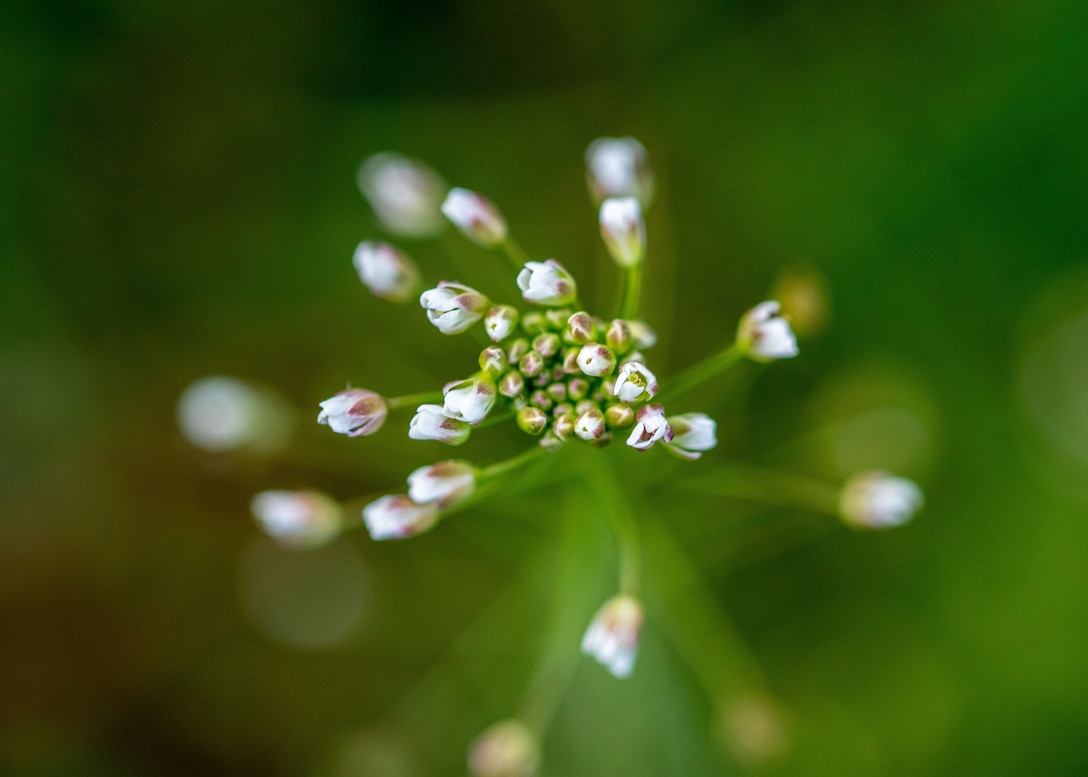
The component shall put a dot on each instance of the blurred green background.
(178, 199)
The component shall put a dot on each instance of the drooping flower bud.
(386, 271)
(623, 230)
(764, 336)
(453, 308)
(354, 412)
(618, 167)
(532, 420)
(405, 194)
(468, 400)
(596, 360)
(547, 283)
(635, 383)
(877, 500)
(442, 484)
(507, 749)
(500, 322)
(612, 637)
(476, 216)
(397, 516)
(693, 435)
(650, 426)
(298, 518)
(431, 423)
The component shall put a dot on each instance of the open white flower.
(387, 272)
(635, 383)
(354, 412)
(693, 435)
(469, 400)
(431, 423)
(405, 194)
(476, 216)
(612, 637)
(452, 307)
(650, 426)
(623, 230)
(618, 167)
(443, 484)
(397, 516)
(877, 500)
(305, 518)
(547, 283)
(764, 335)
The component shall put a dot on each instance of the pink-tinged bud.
(517, 349)
(556, 318)
(590, 425)
(297, 518)
(764, 336)
(563, 425)
(387, 272)
(534, 323)
(507, 749)
(635, 383)
(642, 334)
(476, 216)
(612, 637)
(405, 194)
(618, 336)
(512, 384)
(547, 344)
(431, 423)
(500, 322)
(549, 442)
(547, 283)
(453, 308)
(532, 420)
(596, 360)
(557, 392)
(618, 167)
(396, 517)
(623, 230)
(577, 389)
(581, 328)
(570, 361)
(877, 500)
(619, 416)
(468, 400)
(493, 361)
(530, 364)
(693, 435)
(650, 426)
(442, 484)
(354, 412)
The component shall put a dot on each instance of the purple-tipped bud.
(578, 389)
(397, 517)
(431, 423)
(581, 329)
(596, 360)
(693, 435)
(442, 484)
(563, 425)
(570, 361)
(557, 392)
(387, 272)
(354, 412)
(650, 426)
(618, 167)
(453, 308)
(623, 230)
(476, 216)
(590, 425)
(618, 337)
(493, 361)
(531, 364)
(405, 194)
(547, 344)
(547, 283)
(512, 384)
(500, 321)
(635, 383)
(532, 420)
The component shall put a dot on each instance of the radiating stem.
(515, 253)
(769, 486)
(632, 289)
(502, 467)
(408, 400)
(703, 371)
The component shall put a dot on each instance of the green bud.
(512, 384)
(577, 388)
(557, 319)
(619, 416)
(570, 361)
(534, 323)
(530, 364)
(580, 329)
(517, 349)
(618, 337)
(493, 361)
(557, 391)
(540, 399)
(532, 420)
(563, 426)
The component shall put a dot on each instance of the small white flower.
(596, 360)
(500, 322)
(507, 749)
(443, 483)
(453, 308)
(405, 194)
(590, 425)
(469, 400)
(623, 230)
(877, 500)
(218, 413)
(354, 412)
(764, 335)
(302, 518)
(431, 423)
(650, 426)
(612, 637)
(397, 516)
(476, 216)
(635, 383)
(387, 272)
(618, 167)
(547, 283)
(693, 434)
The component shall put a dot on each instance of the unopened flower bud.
(635, 383)
(507, 749)
(619, 416)
(570, 361)
(877, 500)
(549, 442)
(618, 167)
(764, 336)
(397, 516)
(469, 400)
(531, 364)
(354, 412)
(500, 321)
(650, 426)
(517, 349)
(577, 389)
(596, 360)
(547, 344)
(557, 391)
(387, 272)
(405, 194)
(556, 318)
(493, 361)
(540, 398)
(623, 230)
(442, 484)
(532, 420)
(546, 283)
(642, 334)
(618, 337)
(453, 308)
(563, 425)
(612, 637)
(534, 323)
(476, 216)
(431, 423)
(590, 425)
(512, 384)
(580, 329)
(218, 413)
(299, 518)
(693, 435)
(633, 356)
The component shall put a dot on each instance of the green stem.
(514, 252)
(768, 486)
(632, 289)
(703, 371)
(623, 524)
(502, 467)
(408, 400)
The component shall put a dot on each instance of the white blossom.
(612, 637)
(405, 194)
(650, 426)
(354, 412)
(443, 483)
(431, 423)
(635, 383)
(452, 307)
(304, 518)
(693, 435)
(878, 500)
(764, 335)
(500, 322)
(623, 230)
(397, 516)
(618, 167)
(547, 283)
(387, 272)
(469, 400)
(476, 216)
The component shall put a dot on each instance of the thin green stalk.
(408, 400)
(632, 290)
(703, 371)
(514, 252)
(768, 486)
(502, 467)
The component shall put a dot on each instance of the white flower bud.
(387, 272)
(618, 167)
(397, 516)
(547, 283)
(431, 423)
(299, 518)
(453, 308)
(764, 335)
(218, 413)
(693, 434)
(500, 322)
(476, 216)
(354, 412)
(642, 335)
(635, 383)
(507, 749)
(650, 426)
(469, 400)
(596, 360)
(590, 425)
(623, 230)
(612, 637)
(442, 484)
(877, 500)
(405, 194)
